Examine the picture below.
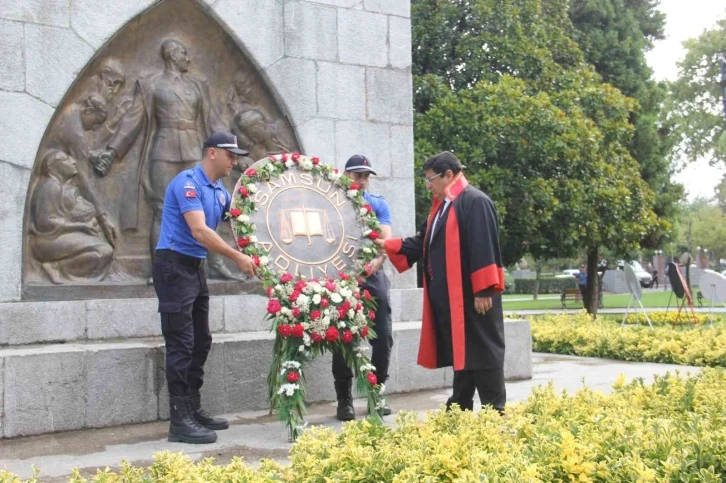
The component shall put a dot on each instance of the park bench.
(570, 294)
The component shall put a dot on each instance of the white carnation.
(306, 164)
(253, 239)
(352, 193)
(346, 292)
(351, 314)
(264, 260)
(354, 329)
(289, 163)
(336, 298)
(367, 232)
(317, 288)
(243, 218)
(316, 298)
(367, 250)
(252, 188)
(341, 325)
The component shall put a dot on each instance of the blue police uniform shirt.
(191, 190)
(380, 207)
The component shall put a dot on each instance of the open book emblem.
(306, 223)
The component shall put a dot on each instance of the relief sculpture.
(137, 116)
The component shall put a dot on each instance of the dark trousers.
(489, 383)
(379, 286)
(583, 293)
(184, 307)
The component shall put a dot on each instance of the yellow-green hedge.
(668, 318)
(581, 335)
(672, 430)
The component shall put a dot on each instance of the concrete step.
(94, 384)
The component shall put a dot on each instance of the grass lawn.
(650, 299)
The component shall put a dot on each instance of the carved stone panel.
(135, 117)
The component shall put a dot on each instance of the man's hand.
(380, 242)
(108, 229)
(246, 265)
(103, 161)
(482, 304)
(375, 265)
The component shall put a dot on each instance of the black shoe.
(203, 417)
(385, 410)
(343, 391)
(183, 428)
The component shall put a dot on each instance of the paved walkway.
(258, 435)
(702, 310)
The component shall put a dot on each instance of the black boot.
(203, 417)
(343, 391)
(183, 428)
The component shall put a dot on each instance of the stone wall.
(350, 92)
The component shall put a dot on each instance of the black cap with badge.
(224, 140)
(359, 164)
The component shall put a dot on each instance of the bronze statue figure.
(71, 236)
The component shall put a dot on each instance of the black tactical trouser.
(181, 287)
(379, 286)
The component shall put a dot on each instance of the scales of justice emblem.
(307, 224)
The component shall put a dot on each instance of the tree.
(614, 36)
(704, 225)
(502, 84)
(695, 100)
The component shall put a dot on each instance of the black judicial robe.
(461, 259)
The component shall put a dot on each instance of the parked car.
(569, 273)
(645, 278)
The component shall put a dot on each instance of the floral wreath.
(311, 316)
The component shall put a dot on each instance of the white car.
(645, 278)
(569, 273)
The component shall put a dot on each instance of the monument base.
(93, 384)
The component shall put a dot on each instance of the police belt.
(172, 256)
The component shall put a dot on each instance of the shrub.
(546, 285)
(671, 430)
(583, 336)
(669, 318)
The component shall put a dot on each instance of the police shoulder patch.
(190, 194)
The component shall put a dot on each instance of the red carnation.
(243, 241)
(367, 268)
(256, 259)
(293, 296)
(274, 306)
(358, 307)
(324, 303)
(270, 291)
(357, 295)
(347, 337)
(335, 170)
(366, 294)
(354, 186)
(316, 337)
(283, 330)
(298, 331)
(372, 379)
(300, 285)
(359, 280)
(315, 315)
(371, 315)
(368, 208)
(283, 157)
(364, 332)
(293, 377)
(251, 172)
(345, 306)
(295, 157)
(243, 192)
(330, 286)
(286, 278)
(235, 212)
(332, 334)
(344, 276)
(342, 313)
(374, 235)
(295, 312)
(316, 160)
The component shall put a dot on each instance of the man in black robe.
(463, 324)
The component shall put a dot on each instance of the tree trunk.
(537, 271)
(593, 282)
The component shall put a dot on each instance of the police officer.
(359, 169)
(194, 203)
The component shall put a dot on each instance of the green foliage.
(670, 430)
(695, 102)
(704, 225)
(583, 336)
(546, 285)
(503, 85)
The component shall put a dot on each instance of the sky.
(687, 19)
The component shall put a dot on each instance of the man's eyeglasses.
(431, 179)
